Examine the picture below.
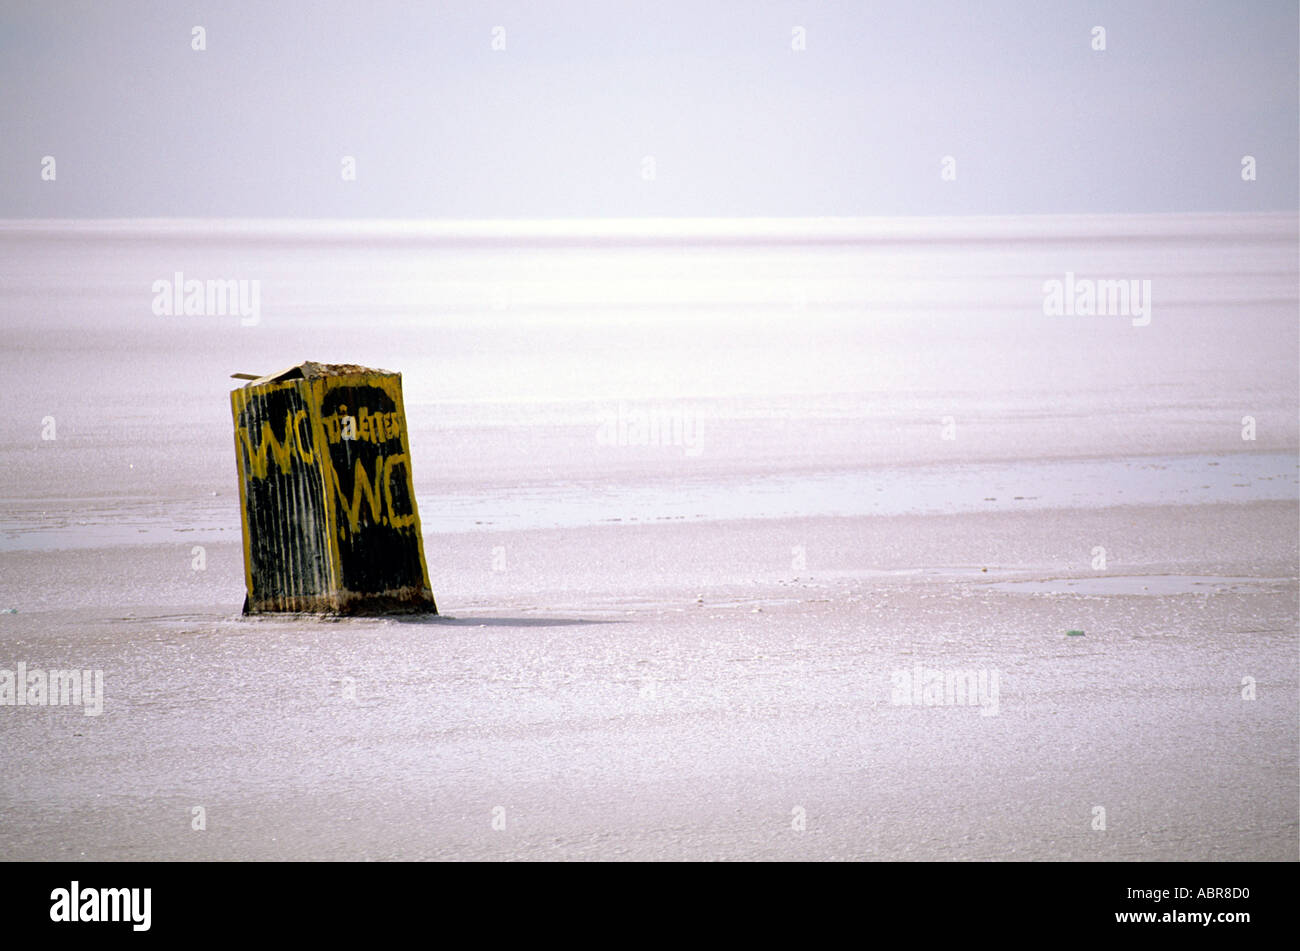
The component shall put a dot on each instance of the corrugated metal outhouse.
(326, 495)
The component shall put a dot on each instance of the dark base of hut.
(348, 604)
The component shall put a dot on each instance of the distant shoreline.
(570, 232)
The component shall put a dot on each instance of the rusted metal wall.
(325, 488)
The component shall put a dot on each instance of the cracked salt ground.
(585, 687)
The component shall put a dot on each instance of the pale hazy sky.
(559, 122)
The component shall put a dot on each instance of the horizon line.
(1268, 225)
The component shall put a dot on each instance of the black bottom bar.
(964, 905)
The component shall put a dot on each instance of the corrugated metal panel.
(329, 516)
